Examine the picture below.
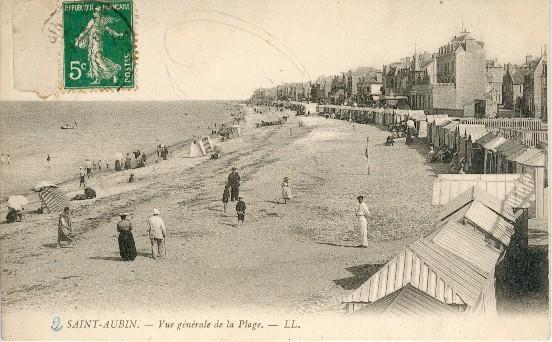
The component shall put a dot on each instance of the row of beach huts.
(481, 233)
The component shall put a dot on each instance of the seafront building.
(457, 80)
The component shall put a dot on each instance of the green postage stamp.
(98, 44)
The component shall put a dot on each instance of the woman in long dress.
(91, 38)
(127, 248)
(286, 190)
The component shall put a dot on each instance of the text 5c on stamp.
(98, 50)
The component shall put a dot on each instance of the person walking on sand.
(65, 230)
(362, 213)
(157, 233)
(225, 196)
(127, 247)
(240, 210)
(48, 159)
(100, 164)
(286, 190)
(8, 159)
(234, 183)
(366, 154)
(2, 159)
(82, 177)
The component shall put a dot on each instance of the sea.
(29, 131)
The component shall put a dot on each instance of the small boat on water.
(67, 127)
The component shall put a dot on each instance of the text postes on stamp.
(98, 50)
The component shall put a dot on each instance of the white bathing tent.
(200, 147)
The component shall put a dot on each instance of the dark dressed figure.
(127, 248)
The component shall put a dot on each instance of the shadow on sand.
(360, 273)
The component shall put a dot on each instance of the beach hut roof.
(417, 115)
(431, 118)
(469, 244)
(510, 147)
(408, 302)
(515, 190)
(486, 138)
(463, 278)
(473, 131)
(451, 126)
(532, 157)
(441, 121)
(494, 143)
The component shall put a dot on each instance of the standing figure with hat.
(157, 233)
(234, 182)
(362, 213)
(127, 247)
(286, 190)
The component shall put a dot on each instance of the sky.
(199, 50)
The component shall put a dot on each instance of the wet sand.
(295, 257)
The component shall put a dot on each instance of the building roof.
(408, 302)
(517, 76)
(469, 244)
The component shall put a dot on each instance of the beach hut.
(507, 151)
(437, 134)
(432, 270)
(494, 217)
(464, 133)
(533, 162)
(489, 150)
(449, 134)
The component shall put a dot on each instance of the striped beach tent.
(53, 199)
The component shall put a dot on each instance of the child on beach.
(240, 209)
(82, 175)
(225, 196)
(286, 190)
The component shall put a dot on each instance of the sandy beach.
(302, 253)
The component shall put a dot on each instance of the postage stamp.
(98, 44)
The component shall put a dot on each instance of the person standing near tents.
(225, 196)
(234, 182)
(362, 213)
(65, 230)
(128, 162)
(127, 247)
(88, 168)
(82, 177)
(157, 233)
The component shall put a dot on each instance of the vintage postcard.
(274, 170)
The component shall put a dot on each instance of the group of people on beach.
(157, 233)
